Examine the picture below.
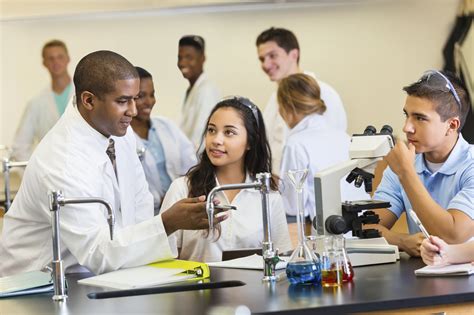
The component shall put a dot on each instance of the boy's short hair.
(98, 71)
(444, 100)
(54, 43)
(281, 36)
(195, 41)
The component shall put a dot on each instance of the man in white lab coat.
(279, 54)
(72, 157)
(44, 110)
(202, 94)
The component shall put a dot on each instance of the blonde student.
(312, 142)
(235, 150)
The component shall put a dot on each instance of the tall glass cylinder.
(303, 266)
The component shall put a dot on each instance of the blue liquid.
(304, 273)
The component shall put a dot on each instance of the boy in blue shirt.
(434, 173)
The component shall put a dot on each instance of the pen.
(418, 222)
(420, 225)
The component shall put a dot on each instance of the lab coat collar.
(84, 130)
(201, 78)
(196, 85)
(455, 161)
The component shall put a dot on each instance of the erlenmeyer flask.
(347, 270)
(303, 266)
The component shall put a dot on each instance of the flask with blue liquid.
(303, 266)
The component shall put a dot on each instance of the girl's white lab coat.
(243, 228)
(314, 145)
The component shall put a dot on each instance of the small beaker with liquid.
(347, 270)
(331, 268)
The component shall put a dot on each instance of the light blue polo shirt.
(452, 186)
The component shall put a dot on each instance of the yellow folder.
(159, 273)
(201, 270)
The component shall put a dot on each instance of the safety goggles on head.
(438, 81)
(245, 102)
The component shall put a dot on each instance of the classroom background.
(367, 50)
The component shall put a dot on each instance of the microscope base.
(371, 251)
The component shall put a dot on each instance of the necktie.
(111, 153)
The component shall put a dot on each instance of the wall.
(367, 50)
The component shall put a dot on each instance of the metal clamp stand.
(7, 165)
(56, 200)
(270, 256)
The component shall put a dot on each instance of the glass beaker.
(303, 266)
(331, 268)
(347, 270)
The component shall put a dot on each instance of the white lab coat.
(314, 145)
(243, 229)
(179, 152)
(277, 130)
(72, 158)
(39, 117)
(202, 98)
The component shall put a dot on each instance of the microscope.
(332, 217)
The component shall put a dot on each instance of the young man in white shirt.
(75, 157)
(279, 54)
(202, 94)
(44, 110)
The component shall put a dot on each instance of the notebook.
(151, 275)
(449, 270)
(250, 262)
(33, 282)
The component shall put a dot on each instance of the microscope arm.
(327, 188)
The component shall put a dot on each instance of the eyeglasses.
(438, 81)
(245, 102)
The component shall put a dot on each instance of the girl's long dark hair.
(258, 159)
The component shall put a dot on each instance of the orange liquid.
(331, 278)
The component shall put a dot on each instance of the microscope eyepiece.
(370, 130)
(386, 130)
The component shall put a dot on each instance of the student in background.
(279, 54)
(236, 149)
(44, 110)
(165, 152)
(434, 173)
(435, 251)
(312, 142)
(91, 152)
(202, 93)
